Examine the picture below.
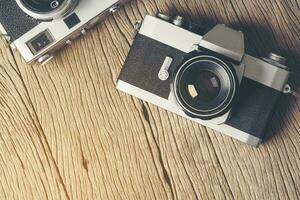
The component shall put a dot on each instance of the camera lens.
(202, 86)
(205, 86)
(42, 6)
(47, 10)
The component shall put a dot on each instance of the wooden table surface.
(67, 133)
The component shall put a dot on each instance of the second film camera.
(39, 27)
(206, 78)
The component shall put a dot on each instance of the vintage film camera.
(208, 79)
(39, 27)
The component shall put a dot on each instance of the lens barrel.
(205, 86)
(47, 9)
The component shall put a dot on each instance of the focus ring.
(205, 86)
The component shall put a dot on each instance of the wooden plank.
(27, 169)
(108, 145)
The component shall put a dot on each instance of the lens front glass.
(42, 6)
(205, 86)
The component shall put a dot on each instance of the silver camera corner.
(58, 26)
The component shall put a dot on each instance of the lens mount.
(205, 86)
(47, 9)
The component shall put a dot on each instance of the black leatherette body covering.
(254, 107)
(14, 20)
(143, 63)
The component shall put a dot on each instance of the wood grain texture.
(27, 168)
(66, 132)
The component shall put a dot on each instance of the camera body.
(206, 78)
(38, 28)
